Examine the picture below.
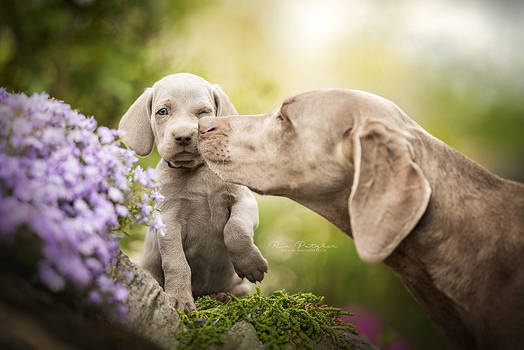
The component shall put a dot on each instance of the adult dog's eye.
(283, 119)
(203, 112)
(162, 111)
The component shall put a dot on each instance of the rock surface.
(242, 336)
(150, 314)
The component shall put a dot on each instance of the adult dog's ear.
(222, 103)
(389, 194)
(136, 123)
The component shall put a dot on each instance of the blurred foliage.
(100, 55)
(89, 53)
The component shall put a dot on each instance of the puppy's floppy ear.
(136, 123)
(389, 193)
(222, 103)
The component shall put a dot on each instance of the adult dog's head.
(168, 112)
(323, 143)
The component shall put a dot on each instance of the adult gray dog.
(208, 247)
(452, 231)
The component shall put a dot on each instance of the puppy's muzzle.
(183, 138)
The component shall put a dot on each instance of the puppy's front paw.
(182, 301)
(250, 264)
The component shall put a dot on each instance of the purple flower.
(13, 213)
(105, 134)
(73, 267)
(115, 195)
(157, 197)
(145, 211)
(94, 297)
(121, 210)
(158, 225)
(141, 176)
(70, 186)
(201, 320)
(50, 277)
(105, 283)
(120, 294)
(94, 265)
(151, 174)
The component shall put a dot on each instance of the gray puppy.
(208, 247)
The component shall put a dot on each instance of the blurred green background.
(455, 67)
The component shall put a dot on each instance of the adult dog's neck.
(467, 247)
(332, 206)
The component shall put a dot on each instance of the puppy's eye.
(162, 111)
(203, 112)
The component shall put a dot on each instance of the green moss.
(278, 319)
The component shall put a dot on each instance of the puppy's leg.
(238, 238)
(150, 259)
(177, 274)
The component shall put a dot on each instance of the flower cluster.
(71, 185)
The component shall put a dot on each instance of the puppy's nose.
(183, 139)
(206, 124)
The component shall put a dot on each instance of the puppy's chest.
(201, 208)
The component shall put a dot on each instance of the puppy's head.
(168, 113)
(320, 144)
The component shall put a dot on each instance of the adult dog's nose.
(206, 124)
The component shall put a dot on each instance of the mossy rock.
(279, 321)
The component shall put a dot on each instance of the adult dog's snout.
(206, 124)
